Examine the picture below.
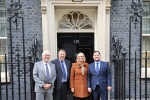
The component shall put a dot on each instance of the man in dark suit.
(63, 68)
(99, 78)
(44, 75)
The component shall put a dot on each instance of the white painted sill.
(143, 72)
(3, 77)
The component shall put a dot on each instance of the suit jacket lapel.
(93, 68)
(50, 69)
(101, 67)
(43, 68)
(59, 66)
(67, 68)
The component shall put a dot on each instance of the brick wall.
(32, 29)
(120, 28)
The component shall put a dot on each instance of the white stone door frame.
(102, 26)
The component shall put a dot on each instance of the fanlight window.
(75, 20)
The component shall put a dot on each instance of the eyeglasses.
(80, 56)
(47, 55)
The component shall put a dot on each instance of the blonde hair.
(82, 55)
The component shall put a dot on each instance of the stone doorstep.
(132, 99)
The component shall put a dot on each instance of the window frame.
(3, 74)
(148, 68)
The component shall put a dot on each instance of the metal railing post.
(6, 77)
(146, 75)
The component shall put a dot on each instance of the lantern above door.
(77, 1)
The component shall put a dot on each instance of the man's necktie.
(63, 70)
(47, 71)
(97, 69)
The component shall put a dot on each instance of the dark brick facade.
(32, 29)
(119, 27)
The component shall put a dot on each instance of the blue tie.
(97, 69)
(63, 70)
(47, 71)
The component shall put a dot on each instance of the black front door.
(73, 43)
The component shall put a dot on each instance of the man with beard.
(99, 78)
(63, 68)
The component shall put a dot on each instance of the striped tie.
(47, 71)
(63, 70)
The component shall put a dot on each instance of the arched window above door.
(75, 20)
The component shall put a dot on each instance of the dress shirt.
(65, 70)
(47, 66)
(98, 65)
(98, 68)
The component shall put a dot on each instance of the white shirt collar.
(47, 65)
(97, 62)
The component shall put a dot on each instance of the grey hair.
(45, 51)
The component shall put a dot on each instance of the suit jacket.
(104, 76)
(59, 72)
(79, 81)
(40, 76)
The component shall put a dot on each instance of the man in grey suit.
(63, 68)
(44, 75)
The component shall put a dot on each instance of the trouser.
(98, 93)
(85, 98)
(61, 94)
(44, 96)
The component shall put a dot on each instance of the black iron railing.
(15, 65)
(121, 72)
(128, 82)
(21, 71)
(129, 78)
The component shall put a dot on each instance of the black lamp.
(77, 1)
